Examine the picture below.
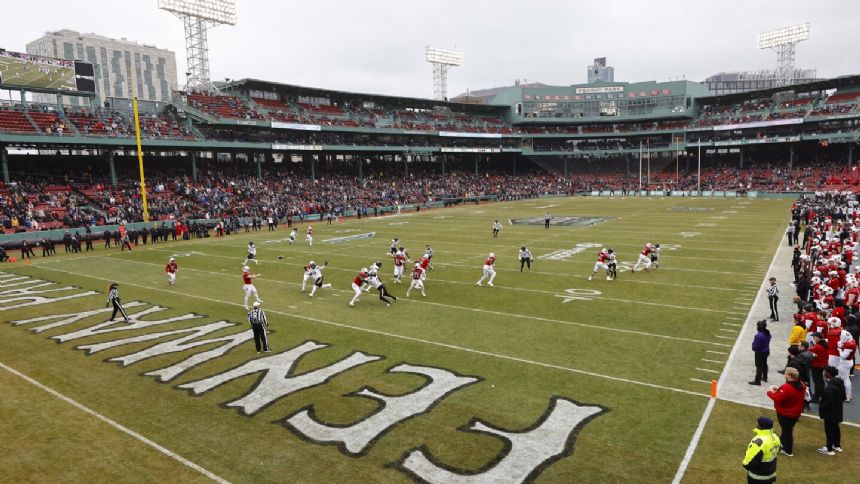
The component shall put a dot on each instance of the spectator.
(761, 350)
(830, 410)
(788, 402)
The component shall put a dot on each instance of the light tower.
(442, 60)
(198, 16)
(783, 41)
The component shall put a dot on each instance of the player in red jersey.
(248, 279)
(360, 279)
(309, 235)
(170, 269)
(400, 260)
(644, 258)
(601, 264)
(417, 279)
(425, 264)
(489, 270)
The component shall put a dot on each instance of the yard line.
(710, 371)
(697, 436)
(732, 317)
(716, 352)
(732, 324)
(713, 361)
(729, 330)
(487, 311)
(700, 381)
(409, 338)
(115, 425)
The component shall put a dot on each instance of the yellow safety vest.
(768, 444)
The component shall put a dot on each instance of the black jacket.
(831, 400)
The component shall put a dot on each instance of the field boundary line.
(697, 435)
(115, 425)
(410, 338)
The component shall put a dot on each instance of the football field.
(15, 72)
(545, 377)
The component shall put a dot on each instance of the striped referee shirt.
(773, 291)
(113, 296)
(257, 316)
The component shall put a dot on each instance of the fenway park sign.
(525, 452)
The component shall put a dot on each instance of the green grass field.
(15, 72)
(584, 381)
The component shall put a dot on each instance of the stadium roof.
(422, 103)
(841, 82)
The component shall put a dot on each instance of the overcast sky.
(377, 46)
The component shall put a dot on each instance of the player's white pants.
(318, 284)
(171, 278)
(416, 284)
(309, 239)
(845, 373)
(250, 290)
(600, 265)
(357, 290)
(305, 280)
(489, 272)
(398, 273)
(643, 260)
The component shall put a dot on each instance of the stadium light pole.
(442, 60)
(198, 16)
(640, 167)
(784, 41)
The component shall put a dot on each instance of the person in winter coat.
(830, 410)
(762, 452)
(788, 403)
(761, 349)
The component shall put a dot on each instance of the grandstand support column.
(791, 157)
(444, 157)
(5, 160)
(360, 168)
(565, 158)
(406, 166)
(515, 166)
(741, 151)
(850, 155)
(476, 164)
(112, 168)
(260, 165)
(194, 166)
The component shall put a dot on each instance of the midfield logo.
(562, 220)
(524, 453)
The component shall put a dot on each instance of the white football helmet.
(171, 260)
(364, 269)
(648, 245)
(246, 268)
(492, 254)
(816, 281)
(834, 322)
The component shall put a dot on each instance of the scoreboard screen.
(28, 71)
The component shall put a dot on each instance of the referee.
(258, 321)
(114, 299)
(773, 298)
(525, 258)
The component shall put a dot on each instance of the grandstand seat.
(14, 121)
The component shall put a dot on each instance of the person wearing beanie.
(762, 452)
(761, 349)
(830, 410)
(788, 401)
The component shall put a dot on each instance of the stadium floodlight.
(784, 41)
(442, 60)
(198, 16)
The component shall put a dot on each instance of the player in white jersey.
(655, 257)
(309, 235)
(252, 254)
(417, 279)
(373, 280)
(308, 274)
(613, 266)
(392, 246)
(373, 271)
(497, 227)
(317, 277)
(644, 258)
(489, 270)
(293, 235)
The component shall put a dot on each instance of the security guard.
(762, 451)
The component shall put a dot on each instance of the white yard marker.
(709, 371)
(713, 361)
(716, 352)
(700, 381)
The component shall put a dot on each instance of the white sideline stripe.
(709, 371)
(697, 435)
(116, 425)
(700, 381)
(716, 352)
(713, 361)
(409, 338)
(488, 311)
